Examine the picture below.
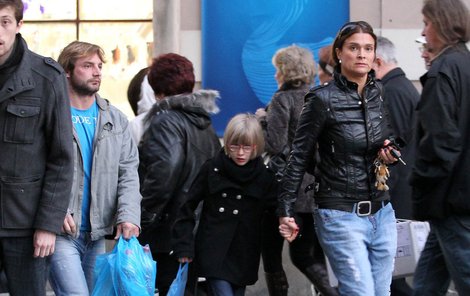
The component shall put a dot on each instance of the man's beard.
(82, 88)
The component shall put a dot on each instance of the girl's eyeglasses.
(245, 148)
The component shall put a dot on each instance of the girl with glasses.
(236, 187)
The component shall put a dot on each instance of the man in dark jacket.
(178, 140)
(440, 176)
(35, 156)
(401, 97)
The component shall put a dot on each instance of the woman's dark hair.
(171, 74)
(135, 89)
(346, 31)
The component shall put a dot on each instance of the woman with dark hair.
(295, 71)
(440, 178)
(346, 122)
(178, 140)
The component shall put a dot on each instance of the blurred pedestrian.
(401, 97)
(326, 64)
(440, 179)
(178, 140)
(36, 162)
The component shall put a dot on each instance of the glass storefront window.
(42, 10)
(122, 28)
(121, 9)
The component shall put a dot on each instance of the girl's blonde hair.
(244, 129)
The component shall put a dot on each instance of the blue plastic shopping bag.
(127, 270)
(179, 283)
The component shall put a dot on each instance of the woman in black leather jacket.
(346, 121)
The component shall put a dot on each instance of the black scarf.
(240, 174)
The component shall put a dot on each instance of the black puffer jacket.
(349, 131)
(178, 141)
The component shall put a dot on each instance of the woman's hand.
(385, 153)
(288, 228)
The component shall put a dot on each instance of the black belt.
(361, 208)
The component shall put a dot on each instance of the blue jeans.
(72, 264)
(431, 276)
(219, 287)
(453, 239)
(26, 275)
(361, 250)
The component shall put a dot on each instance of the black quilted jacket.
(348, 130)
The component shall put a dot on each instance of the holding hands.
(288, 228)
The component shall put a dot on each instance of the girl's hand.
(185, 260)
(288, 228)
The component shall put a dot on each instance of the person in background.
(346, 122)
(178, 140)
(105, 193)
(295, 71)
(440, 179)
(326, 64)
(141, 97)
(401, 98)
(235, 187)
(134, 91)
(36, 156)
(426, 54)
(431, 261)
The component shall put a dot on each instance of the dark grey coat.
(279, 125)
(36, 158)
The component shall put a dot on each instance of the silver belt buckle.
(364, 208)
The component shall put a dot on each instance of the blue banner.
(240, 37)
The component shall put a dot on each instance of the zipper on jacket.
(332, 146)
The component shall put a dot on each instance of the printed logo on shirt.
(79, 119)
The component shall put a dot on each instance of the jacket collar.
(392, 74)
(343, 82)
(22, 79)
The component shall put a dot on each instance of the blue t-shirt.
(84, 122)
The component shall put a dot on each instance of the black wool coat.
(227, 243)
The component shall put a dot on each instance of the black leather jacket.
(348, 132)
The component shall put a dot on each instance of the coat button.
(224, 194)
(235, 212)
(216, 169)
(239, 196)
(221, 210)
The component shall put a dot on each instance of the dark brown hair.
(134, 89)
(17, 5)
(346, 31)
(171, 74)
